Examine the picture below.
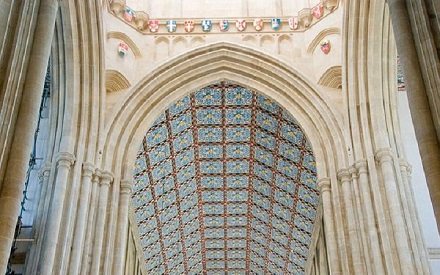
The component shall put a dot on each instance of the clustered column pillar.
(25, 123)
(385, 159)
(345, 177)
(64, 161)
(81, 218)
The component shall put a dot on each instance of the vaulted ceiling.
(225, 181)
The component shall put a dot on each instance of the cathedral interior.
(219, 137)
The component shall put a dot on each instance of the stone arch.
(212, 63)
(122, 36)
(267, 42)
(162, 46)
(321, 35)
(285, 46)
(179, 44)
(332, 77)
(197, 41)
(115, 81)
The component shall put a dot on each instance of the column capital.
(106, 178)
(88, 169)
(344, 175)
(126, 187)
(65, 159)
(324, 185)
(361, 166)
(354, 172)
(97, 175)
(384, 155)
(44, 171)
(405, 166)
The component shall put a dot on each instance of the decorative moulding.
(330, 4)
(117, 7)
(142, 21)
(305, 17)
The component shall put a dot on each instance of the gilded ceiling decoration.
(225, 182)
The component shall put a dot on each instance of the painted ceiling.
(225, 183)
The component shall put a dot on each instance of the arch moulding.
(216, 62)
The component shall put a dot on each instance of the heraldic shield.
(188, 25)
(275, 23)
(224, 25)
(153, 25)
(258, 24)
(171, 25)
(240, 24)
(317, 11)
(122, 49)
(206, 25)
(293, 23)
(325, 46)
(128, 14)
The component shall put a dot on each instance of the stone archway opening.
(225, 180)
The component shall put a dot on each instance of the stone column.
(357, 204)
(64, 161)
(81, 218)
(85, 262)
(121, 237)
(385, 158)
(419, 102)
(38, 231)
(100, 221)
(333, 251)
(421, 252)
(345, 178)
(21, 146)
(373, 238)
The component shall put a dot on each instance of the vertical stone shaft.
(361, 220)
(85, 262)
(406, 171)
(324, 187)
(121, 237)
(64, 162)
(81, 218)
(100, 222)
(12, 187)
(38, 230)
(384, 157)
(419, 102)
(358, 266)
(368, 209)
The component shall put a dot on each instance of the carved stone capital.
(88, 169)
(305, 17)
(361, 166)
(324, 185)
(405, 166)
(344, 175)
(141, 20)
(97, 175)
(126, 186)
(354, 172)
(65, 159)
(106, 178)
(384, 155)
(117, 7)
(329, 4)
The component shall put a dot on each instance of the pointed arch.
(122, 36)
(332, 77)
(215, 62)
(321, 35)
